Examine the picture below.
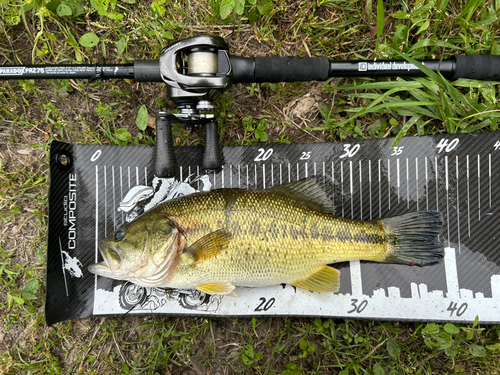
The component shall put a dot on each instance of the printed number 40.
(446, 145)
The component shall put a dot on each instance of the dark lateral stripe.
(363, 237)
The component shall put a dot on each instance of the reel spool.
(202, 62)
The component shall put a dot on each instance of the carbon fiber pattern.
(457, 175)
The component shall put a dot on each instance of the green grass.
(33, 113)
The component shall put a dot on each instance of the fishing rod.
(198, 69)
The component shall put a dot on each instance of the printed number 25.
(305, 155)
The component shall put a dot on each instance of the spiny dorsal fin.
(315, 192)
(209, 246)
(218, 288)
(325, 279)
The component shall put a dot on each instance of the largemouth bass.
(217, 240)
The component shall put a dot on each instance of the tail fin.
(413, 238)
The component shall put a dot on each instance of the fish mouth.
(101, 268)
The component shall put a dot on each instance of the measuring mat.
(96, 189)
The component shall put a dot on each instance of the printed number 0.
(264, 306)
(263, 154)
(350, 152)
(96, 155)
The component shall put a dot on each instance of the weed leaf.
(142, 118)
(89, 40)
(226, 7)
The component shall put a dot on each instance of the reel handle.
(165, 161)
(212, 156)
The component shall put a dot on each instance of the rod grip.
(276, 69)
(147, 71)
(165, 161)
(212, 157)
(480, 67)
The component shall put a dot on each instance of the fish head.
(143, 251)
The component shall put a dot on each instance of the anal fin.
(324, 279)
(217, 288)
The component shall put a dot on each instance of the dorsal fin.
(316, 192)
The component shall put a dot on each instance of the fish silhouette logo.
(72, 265)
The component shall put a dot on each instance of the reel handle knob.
(165, 161)
(212, 157)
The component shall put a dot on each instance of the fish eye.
(119, 235)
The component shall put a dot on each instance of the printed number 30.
(350, 151)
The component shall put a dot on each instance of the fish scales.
(275, 238)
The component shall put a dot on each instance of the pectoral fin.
(209, 246)
(325, 279)
(217, 288)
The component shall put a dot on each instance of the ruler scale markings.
(324, 169)
(272, 174)
(255, 176)
(145, 176)
(129, 183)
(407, 183)
(370, 183)
(437, 192)
(239, 176)
(333, 184)
(121, 188)
(197, 175)
(305, 168)
(289, 173)
(105, 204)
(389, 181)
(263, 176)
(489, 172)
(360, 191)
(447, 199)
(342, 185)
(458, 205)
(96, 213)
(180, 173)
(114, 199)
(281, 175)
(231, 175)
(96, 222)
(397, 173)
(137, 175)
(314, 168)
(298, 172)
(223, 182)
(479, 185)
(351, 188)
(416, 180)
(379, 189)
(426, 186)
(468, 195)
(248, 179)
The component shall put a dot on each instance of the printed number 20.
(264, 304)
(263, 154)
